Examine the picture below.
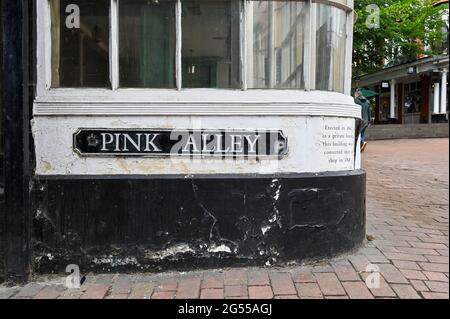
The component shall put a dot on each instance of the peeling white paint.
(265, 229)
(273, 219)
(274, 252)
(170, 252)
(277, 192)
(276, 188)
(115, 261)
(39, 212)
(219, 249)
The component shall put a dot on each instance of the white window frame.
(186, 101)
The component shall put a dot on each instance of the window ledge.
(131, 102)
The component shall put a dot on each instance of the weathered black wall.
(217, 221)
(15, 215)
(2, 171)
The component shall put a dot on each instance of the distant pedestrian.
(365, 115)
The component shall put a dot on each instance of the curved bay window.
(182, 44)
(182, 126)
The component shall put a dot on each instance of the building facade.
(412, 93)
(179, 133)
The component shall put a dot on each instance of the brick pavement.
(407, 228)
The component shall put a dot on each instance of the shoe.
(363, 147)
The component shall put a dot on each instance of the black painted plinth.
(181, 223)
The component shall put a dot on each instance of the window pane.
(210, 50)
(275, 37)
(330, 48)
(147, 43)
(80, 43)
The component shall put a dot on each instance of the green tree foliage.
(407, 30)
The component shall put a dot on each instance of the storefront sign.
(143, 142)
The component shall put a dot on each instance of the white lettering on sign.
(205, 149)
(252, 144)
(136, 143)
(183, 142)
(150, 143)
(122, 142)
(106, 141)
(190, 142)
(236, 143)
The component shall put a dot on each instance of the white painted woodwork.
(443, 108)
(392, 106)
(436, 98)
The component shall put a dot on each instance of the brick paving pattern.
(407, 228)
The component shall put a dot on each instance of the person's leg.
(363, 139)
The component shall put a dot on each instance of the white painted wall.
(53, 136)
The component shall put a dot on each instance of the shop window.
(80, 43)
(276, 38)
(210, 44)
(412, 103)
(147, 43)
(182, 44)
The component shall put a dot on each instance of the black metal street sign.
(159, 142)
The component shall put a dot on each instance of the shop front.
(411, 93)
(181, 133)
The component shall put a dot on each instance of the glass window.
(80, 43)
(330, 48)
(210, 44)
(147, 43)
(210, 35)
(275, 42)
